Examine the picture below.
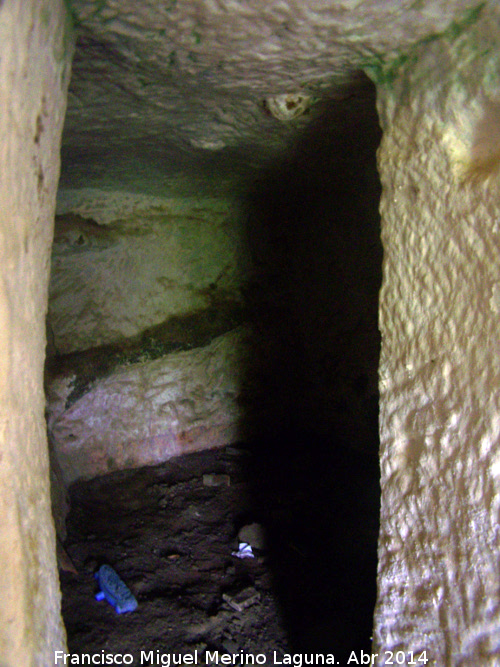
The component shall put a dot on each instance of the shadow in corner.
(313, 231)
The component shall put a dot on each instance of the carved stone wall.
(440, 363)
(33, 84)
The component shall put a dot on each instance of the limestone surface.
(123, 263)
(33, 83)
(176, 91)
(149, 412)
(439, 365)
(196, 97)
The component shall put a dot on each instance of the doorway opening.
(303, 474)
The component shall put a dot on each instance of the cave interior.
(291, 182)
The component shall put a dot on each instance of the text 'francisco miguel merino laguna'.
(211, 657)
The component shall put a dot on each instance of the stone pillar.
(36, 46)
(439, 545)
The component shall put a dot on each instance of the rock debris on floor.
(172, 533)
(169, 531)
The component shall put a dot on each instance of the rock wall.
(123, 262)
(146, 413)
(33, 84)
(439, 367)
(146, 344)
(178, 324)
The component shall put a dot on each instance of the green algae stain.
(69, 36)
(469, 18)
(177, 333)
(383, 69)
(72, 14)
(72, 10)
(45, 17)
(383, 73)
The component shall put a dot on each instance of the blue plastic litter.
(114, 590)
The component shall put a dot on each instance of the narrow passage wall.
(35, 58)
(440, 360)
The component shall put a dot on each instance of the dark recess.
(314, 233)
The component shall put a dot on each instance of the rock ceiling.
(165, 92)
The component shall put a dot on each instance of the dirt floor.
(171, 531)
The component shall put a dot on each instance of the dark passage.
(307, 468)
(314, 233)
